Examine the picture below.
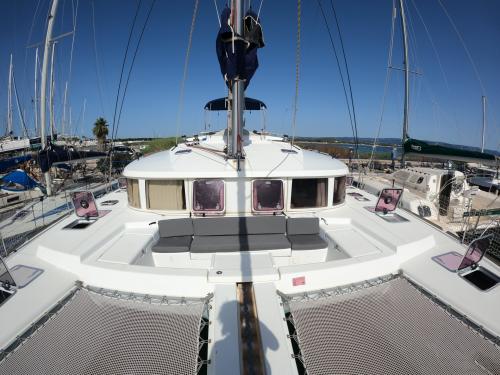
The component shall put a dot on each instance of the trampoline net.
(95, 333)
(388, 328)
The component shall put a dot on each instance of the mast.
(64, 108)
(9, 100)
(484, 123)
(238, 88)
(48, 42)
(51, 93)
(36, 92)
(407, 78)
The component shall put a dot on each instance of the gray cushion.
(212, 244)
(178, 244)
(307, 242)
(223, 226)
(175, 227)
(302, 225)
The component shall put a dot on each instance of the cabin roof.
(265, 156)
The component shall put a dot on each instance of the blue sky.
(444, 107)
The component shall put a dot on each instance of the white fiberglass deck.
(114, 253)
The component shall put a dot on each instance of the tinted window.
(339, 190)
(309, 192)
(208, 196)
(267, 195)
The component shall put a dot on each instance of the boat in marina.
(238, 252)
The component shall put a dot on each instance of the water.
(363, 148)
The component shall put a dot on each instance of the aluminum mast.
(407, 78)
(36, 92)
(238, 88)
(43, 89)
(51, 93)
(9, 100)
(484, 123)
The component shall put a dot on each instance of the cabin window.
(166, 195)
(267, 195)
(339, 190)
(208, 196)
(133, 193)
(309, 192)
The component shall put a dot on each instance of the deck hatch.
(387, 326)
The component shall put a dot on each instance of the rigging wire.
(469, 55)
(438, 58)
(339, 67)
(18, 106)
(260, 7)
(139, 3)
(386, 84)
(349, 82)
(99, 87)
(297, 73)
(132, 64)
(462, 41)
(126, 84)
(217, 13)
(184, 76)
(28, 42)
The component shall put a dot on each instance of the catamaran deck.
(115, 255)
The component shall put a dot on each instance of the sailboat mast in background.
(484, 123)
(36, 92)
(9, 100)
(48, 43)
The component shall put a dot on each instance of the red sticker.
(299, 281)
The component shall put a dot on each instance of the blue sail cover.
(7, 164)
(17, 181)
(237, 54)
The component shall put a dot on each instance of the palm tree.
(100, 131)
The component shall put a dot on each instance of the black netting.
(98, 334)
(389, 328)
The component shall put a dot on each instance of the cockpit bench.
(238, 234)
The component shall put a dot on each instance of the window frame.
(222, 197)
(267, 210)
(327, 193)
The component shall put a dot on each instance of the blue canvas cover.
(237, 54)
(18, 180)
(9, 163)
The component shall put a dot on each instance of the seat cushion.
(232, 226)
(175, 227)
(253, 242)
(302, 225)
(179, 244)
(307, 242)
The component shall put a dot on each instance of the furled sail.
(433, 150)
(53, 155)
(237, 54)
